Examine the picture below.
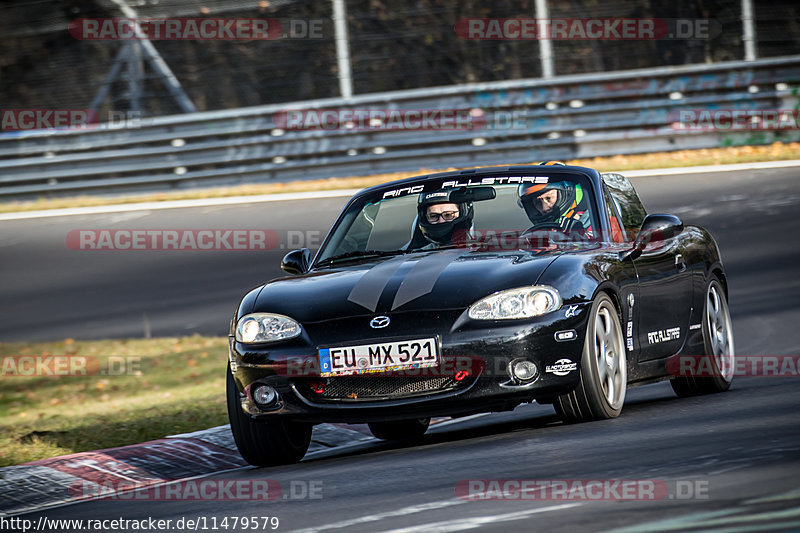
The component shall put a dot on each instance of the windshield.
(517, 212)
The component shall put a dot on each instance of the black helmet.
(569, 196)
(443, 232)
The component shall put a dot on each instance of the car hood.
(433, 280)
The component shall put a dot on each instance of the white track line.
(474, 522)
(176, 204)
(421, 508)
(764, 165)
(234, 200)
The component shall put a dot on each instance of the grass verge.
(681, 158)
(132, 391)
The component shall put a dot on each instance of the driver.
(441, 220)
(559, 205)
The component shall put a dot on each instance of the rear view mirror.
(473, 194)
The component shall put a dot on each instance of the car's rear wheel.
(400, 429)
(265, 443)
(718, 361)
(604, 375)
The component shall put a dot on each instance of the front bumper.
(480, 350)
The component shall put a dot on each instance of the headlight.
(523, 302)
(266, 327)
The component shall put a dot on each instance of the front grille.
(355, 388)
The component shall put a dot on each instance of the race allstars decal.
(490, 180)
(664, 335)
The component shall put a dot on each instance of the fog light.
(264, 395)
(523, 370)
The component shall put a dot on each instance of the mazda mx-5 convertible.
(474, 291)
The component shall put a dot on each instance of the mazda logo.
(379, 322)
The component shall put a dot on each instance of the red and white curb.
(50, 482)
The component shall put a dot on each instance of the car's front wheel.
(604, 373)
(400, 429)
(265, 443)
(718, 341)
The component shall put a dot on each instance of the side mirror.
(296, 261)
(654, 228)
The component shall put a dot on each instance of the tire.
(267, 443)
(718, 347)
(400, 429)
(600, 393)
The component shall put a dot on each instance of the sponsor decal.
(497, 180)
(629, 329)
(664, 335)
(416, 189)
(571, 311)
(471, 182)
(695, 326)
(436, 195)
(562, 367)
(630, 345)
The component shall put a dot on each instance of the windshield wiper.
(360, 254)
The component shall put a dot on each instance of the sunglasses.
(447, 216)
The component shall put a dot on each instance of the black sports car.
(473, 291)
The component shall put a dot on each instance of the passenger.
(441, 221)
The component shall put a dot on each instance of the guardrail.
(560, 118)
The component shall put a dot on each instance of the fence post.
(545, 45)
(749, 31)
(342, 49)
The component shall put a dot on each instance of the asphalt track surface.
(730, 462)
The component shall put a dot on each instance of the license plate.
(380, 357)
